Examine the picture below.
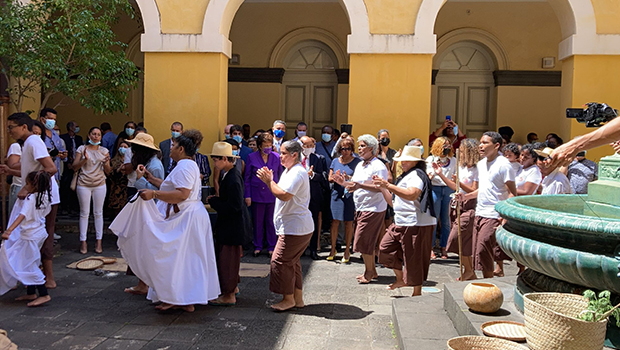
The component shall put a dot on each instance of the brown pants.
(47, 250)
(411, 245)
(468, 213)
(285, 266)
(367, 231)
(484, 244)
(228, 263)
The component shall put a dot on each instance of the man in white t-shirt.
(496, 182)
(35, 157)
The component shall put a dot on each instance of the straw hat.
(144, 139)
(222, 149)
(546, 152)
(410, 154)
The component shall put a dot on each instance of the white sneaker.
(56, 236)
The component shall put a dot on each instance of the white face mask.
(301, 134)
(308, 151)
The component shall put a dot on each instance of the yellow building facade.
(402, 65)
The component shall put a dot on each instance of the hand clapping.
(379, 182)
(265, 174)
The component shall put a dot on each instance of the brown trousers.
(484, 244)
(285, 265)
(47, 250)
(410, 245)
(367, 230)
(228, 263)
(468, 213)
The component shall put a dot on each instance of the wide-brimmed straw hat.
(546, 152)
(144, 139)
(410, 154)
(222, 149)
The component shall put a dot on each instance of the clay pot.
(482, 297)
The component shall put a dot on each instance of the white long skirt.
(20, 256)
(175, 256)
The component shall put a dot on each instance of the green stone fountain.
(568, 242)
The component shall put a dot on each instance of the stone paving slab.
(90, 311)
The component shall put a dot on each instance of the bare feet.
(50, 284)
(376, 275)
(136, 290)
(298, 295)
(363, 280)
(39, 301)
(284, 305)
(395, 285)
(29, 297)
(188, 308)
(164, 306)
(83, 248)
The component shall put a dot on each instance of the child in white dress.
(20, 255)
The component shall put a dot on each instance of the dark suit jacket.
(78, 142)
(233, 225)
(319, 185)
(164, 147)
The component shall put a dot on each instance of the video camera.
(595, 115)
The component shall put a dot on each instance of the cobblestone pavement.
(88, 311)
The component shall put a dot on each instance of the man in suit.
(233, 226)
(68, 198)
(319, 186)
(236, 133)
(176, 129)
(279, 131)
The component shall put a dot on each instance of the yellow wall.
(182, 16)
(193, 93)
(391, 92)
(392, 16)
(607, 14)
(528, 31)
(530, 109)
(257, 104)
(258, 27)
(587, 79)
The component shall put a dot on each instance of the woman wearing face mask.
(385, 153)
(443, 156)
(128, 132)
(258, 196)
(117, 178)
(93, 162)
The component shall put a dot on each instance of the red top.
(455, 145)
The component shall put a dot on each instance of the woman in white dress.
(170, 247)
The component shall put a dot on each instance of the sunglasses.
(542, 159)
(346, 149)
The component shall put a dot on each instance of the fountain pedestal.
(604, 194)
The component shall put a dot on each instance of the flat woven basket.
(474, 342)
(551, 322)
(89, 264)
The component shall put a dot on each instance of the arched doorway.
(310, 87)
(464, 88)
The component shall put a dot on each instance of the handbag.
(74, 180)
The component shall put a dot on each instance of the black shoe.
(315, 256)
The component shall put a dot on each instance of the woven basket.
(482, 343)
(551, 322)
(89, 264)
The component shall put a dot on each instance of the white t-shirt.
(185, 175)
(556, 183)
(293, 217)
(492, 178)
(366, 200)
(33, 150)
(34, 219)
(132, 177)
(516, 166)
(531, 174)
(468, 175)
(448, 170)
(409, 213)
(15, 149)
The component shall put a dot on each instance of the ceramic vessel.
(483, 297)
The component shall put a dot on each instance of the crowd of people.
(397, 206)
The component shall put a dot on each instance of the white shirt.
(34, 219)
(132, 177)
(448, 170)
(409, 213)
(278, 143)
(366, 200)
(531, 174)
(293, 217)
(492, 178)
(15, 149)
(556, 183)
(468, 175)
(34, 149)
(516, 166)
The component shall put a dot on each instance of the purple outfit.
(263, 201)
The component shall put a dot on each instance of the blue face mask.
(326, 137)
(122, 151)
(50, 123)
(129, 131)
(77, 129)
(175, 134)
(235, 152)
(94, 143)
(238, 138)
(278, 133)
(422, 148)
(226, 136)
